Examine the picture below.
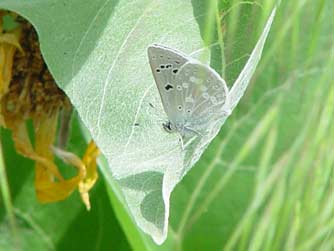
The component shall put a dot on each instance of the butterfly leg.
(195, 131)
(181, 140)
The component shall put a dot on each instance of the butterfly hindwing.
(203, 93)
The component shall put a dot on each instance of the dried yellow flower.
(28, 91)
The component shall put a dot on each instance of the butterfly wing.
(165, 65)
(192, 94)
(203, 93)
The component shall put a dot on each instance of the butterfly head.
(169, 127)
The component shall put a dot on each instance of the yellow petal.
(51, 191)
(9, 43)
(48, 188)
(12, 39)
(89, 159)
(49, 183)
(87, 166)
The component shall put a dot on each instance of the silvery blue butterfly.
(193, 95)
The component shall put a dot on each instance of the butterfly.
(193, 95)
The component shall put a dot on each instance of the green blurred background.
(265, 183)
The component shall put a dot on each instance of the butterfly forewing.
(165, 64)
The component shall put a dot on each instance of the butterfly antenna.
(160, 120)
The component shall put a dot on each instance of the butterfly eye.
(179, 88)
(168, 126)
(157, 70)
(179, 107)
(162, 66)
(188, 111)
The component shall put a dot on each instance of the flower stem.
(5, 193)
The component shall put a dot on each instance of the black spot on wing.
(169, 87)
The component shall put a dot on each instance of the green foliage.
(265, 183)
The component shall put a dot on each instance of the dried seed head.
(32, 91)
